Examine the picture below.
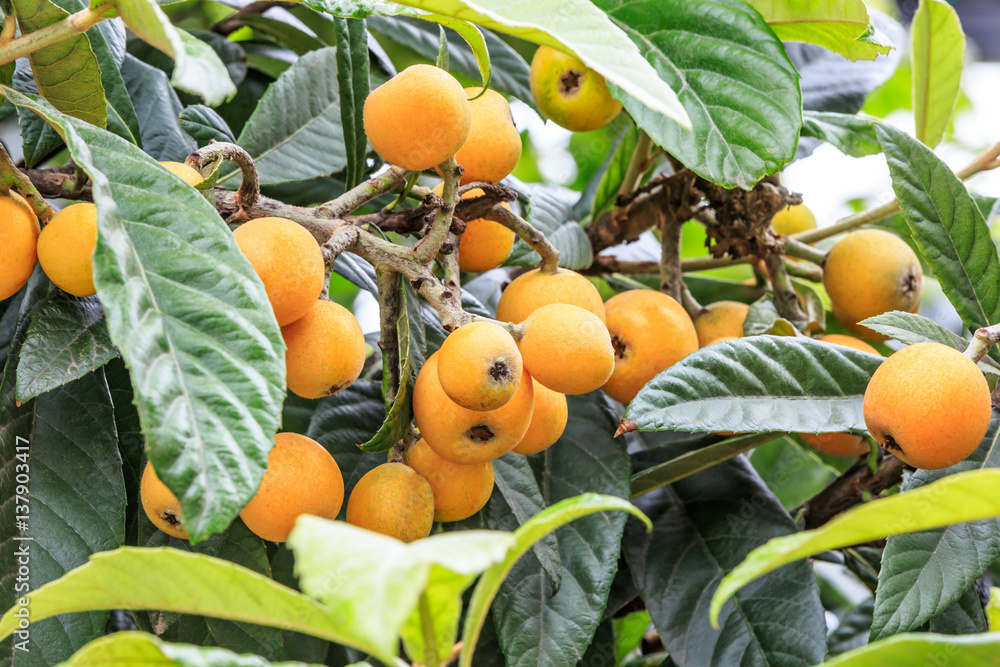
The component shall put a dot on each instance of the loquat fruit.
(183, 171)
(548, 420)
(569, 93)
(484, 244)
(393, 500)
(18, 243)
(66, 246)
(479, 366)
(459, 490)
(493, 148)
(468, 436)
(928, 404)
(325, 350)
(534, 289)
(301, 478)
(650, 331)
(287, 259)
(849, 341)
(160, 504)
(719, 319)
(418, 118)
(568, 349)
(870, 272)
(793, 219)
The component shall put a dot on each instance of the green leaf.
(38, 140)
(965, 617)
(283, 33)
(352, 79)
(576, 26)
(190, 319)
(850, 134)
(759, 384)
(702, 527)
(689, 463)
(958, 498)
(140, 648)
(67, 72)
(541, 524)
(937, 56)
(614, 174)
(841, 26)
(555, 219)
(157, 107)
(171, 580)
(947, 226)
(924, 573)
(203, 124)
(373, 587)
(732, 76)
(794, 473)
(294, 133)
(535, 626)
(197, 68)
(914, 650)
(67, 339)
(107, 39)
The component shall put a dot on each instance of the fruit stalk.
(982, 341)
(795, 248)
(530, 235)
(12, 177)
(361, 194)
(249, 192)
(785, 296)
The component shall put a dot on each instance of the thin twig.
(984, 339)
(74, 24)
(360, 195)
(670, 257)
(850, 489)
(795, 248)
(249, 192)
(785, 296)
(12, 177)
(529, 234)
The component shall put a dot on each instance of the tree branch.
(670, 259)
(363, 193)
(249, 192)
(428, 247)
(850, 489)
(984, 339)
(530, 235)
(785, 296)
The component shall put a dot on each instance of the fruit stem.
(785, 296)
(73, 24)
(985, 161)
(529, 234)
(9, 31)
(12, 177)
(794, 248)
(361, 194)
(804, 271)
(984, 339)
(670, 256)
(249, 192)
(428, 247)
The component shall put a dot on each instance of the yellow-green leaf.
(922, 650)
(959, 498)
(937, 55)
(842, 26)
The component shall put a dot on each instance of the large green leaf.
(68, 338)
(38, 140)
(157, 107)
(915, 650)
(294, 133)
(759, 384)
(554, 218)
(67, 72)
(353, 81)
(140, 648)
(556, 516)
(841, 26)
(965, 617)
(203, 124)
(733, 78)
(850, 134)
(197, 68)
(959, 498)
(924, 573)
(572, 25)
(702, 527)
(937, 56)
(947, 226)
(375, 587)
(107, 39)
(189, 317)
(534, 626)
(171, 580)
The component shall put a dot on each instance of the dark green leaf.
(614, 174)
(66, 72)
(345, 420)
(794, 474)
(947, 226)
(157, 108)
(761, 317)
(965, 617)
(203, 125)
(282, 33)
(758, 384)
(38, 140)
(925, 573)
(852, 631)
(295, 134)
(399, 410)
(555, 219)
(67, 339)
(851, 135)
(130, 441)
(352, 78)
(538, 630)
(704, 526)
(733, 78)
(190, 318)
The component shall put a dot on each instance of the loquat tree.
(479, 332)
